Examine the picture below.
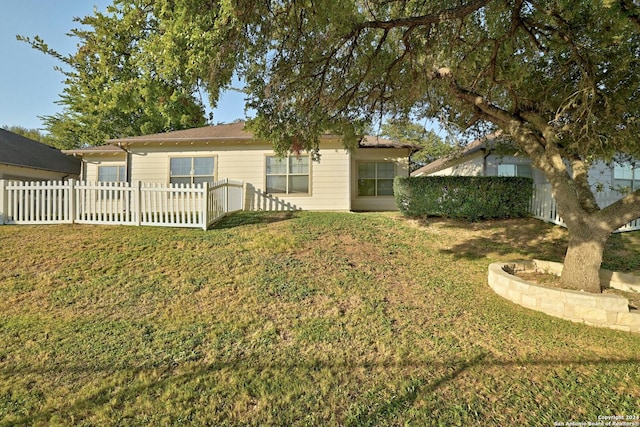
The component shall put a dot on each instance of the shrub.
(464, 197)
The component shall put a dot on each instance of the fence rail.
(544, 207)
(173, 205)
(139, 203)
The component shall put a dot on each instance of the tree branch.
(426, 20)
(622, 211)
(580, 172)
(632, 11)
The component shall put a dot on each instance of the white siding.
(467, 166)
(601, 176)
(333, 179)
(247, 162)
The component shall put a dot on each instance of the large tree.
(429, 144)
(113, 90)
(561, 78)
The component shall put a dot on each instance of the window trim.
(191, 175)
(118, 167)
(516, 166)
(289, 174)
(376, 179)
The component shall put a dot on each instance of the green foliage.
(561, 78)
(464, 197)
(34, 134)
(432, 146)
(113, 90)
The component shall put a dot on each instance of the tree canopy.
(113, 89)
(431, 145)
(560, 77)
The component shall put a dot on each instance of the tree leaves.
(113, 88)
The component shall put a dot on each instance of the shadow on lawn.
(528, 238)
(128, 386)
(531, 238)
(239, 219)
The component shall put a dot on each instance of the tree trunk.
(583, 259)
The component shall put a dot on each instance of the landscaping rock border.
(604, 310)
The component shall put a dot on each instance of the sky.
(29, 84)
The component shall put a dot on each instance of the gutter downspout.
(127, 171)
(484, 161)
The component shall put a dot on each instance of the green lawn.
(297, 319)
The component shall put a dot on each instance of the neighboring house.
(361, 180)
(493, 156)
(23, 159)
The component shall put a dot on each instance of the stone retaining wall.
(605, 310)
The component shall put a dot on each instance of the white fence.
(139, 203)
(543, 206)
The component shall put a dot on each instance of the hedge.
(464, 197)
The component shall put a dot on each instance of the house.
(23, 159)
(361, 180)
(494, 156)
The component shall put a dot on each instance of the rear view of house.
(341, 181)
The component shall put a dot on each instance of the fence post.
(226, 196)
(4, 201)
(245, 202)
(137, 201)
(72, 200)
(204, 206)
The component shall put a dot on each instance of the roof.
(101, 149)
(376, 142)
(472, 148)
(17, 150)
(223, 132)
(205, 133)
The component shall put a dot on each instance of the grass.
(297, 319)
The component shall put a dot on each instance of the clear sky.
(29, 85)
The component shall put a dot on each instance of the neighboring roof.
(472, 148)
(17, 150)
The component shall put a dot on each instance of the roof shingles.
(232, 131)
(17, 150)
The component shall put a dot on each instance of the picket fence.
(171, 205)
(544, 207)
(138, 203)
